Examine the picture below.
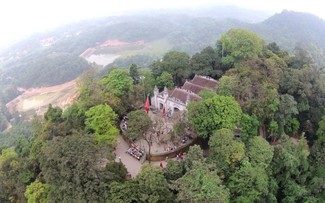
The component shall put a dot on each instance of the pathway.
(130, 162)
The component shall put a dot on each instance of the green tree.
(126, 192)
(248, 126)
(214, 113)
(11, 185)
(207, 62)
(176, 63)
(259, 152)
(153, 186)
(74, 116)
(226, 85)
(138, 124)
(238, 44)
(248, 184)
(37, 192)
(174, 170)
(119, 82)
(226, 151)
(195, 153)
(78, 170)
(165, 80)
(101, 120)
(287, 109)
(134, 74)
(290, 168)
(53, 114)
(201, 185)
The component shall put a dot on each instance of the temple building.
(178, 98)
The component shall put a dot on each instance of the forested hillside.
(273, 101)
(185, 33)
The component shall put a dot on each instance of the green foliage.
(207, 62)
(195, 153)
(123, 192)
(119, 82)
(142, 60)
(226, 151)
(273, 128)
(153, 186)
(248, 126)
(239, 44)
(37, 192)
(321, 129)
(248, 184)
(134, 74)
(259, 152)
(290, 166)
(55, 68)
(174, 170)
(165, 80)
(174, 62)
(226, 84)
(201, 185)
(11, 186)
(207, 94)
(101, 119)
(77, 169)
(214, 113)
(74, 116)
(53, 114)
(138, 123)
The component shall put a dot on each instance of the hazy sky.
(22, 17)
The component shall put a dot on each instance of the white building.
(178, 98)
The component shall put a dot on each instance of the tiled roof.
(192, 87)
(182, 94)
(205, 82)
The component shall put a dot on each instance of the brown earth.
(38, 99)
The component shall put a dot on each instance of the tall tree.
(214, 113)
(77, 169)
(259, 152)
(119, 82)
(11, 184)
(200, 184)
(153, 186)
(101, 120)
(165, 80)
(248, 184)
(207, 62)
(290, 166)
(176, 63)
(138, 124)
(226, 151)
(134, 73)
(238, 44)
(37, 192)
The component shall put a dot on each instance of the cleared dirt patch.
(38, 99)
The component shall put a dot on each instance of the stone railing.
(171, 154)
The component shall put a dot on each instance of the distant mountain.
(289, 28)
(188, 30)
(232, 12)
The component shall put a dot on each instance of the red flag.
(164, 112)
(146, 105)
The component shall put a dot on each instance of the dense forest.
(275, 100)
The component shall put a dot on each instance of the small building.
(178, 98)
